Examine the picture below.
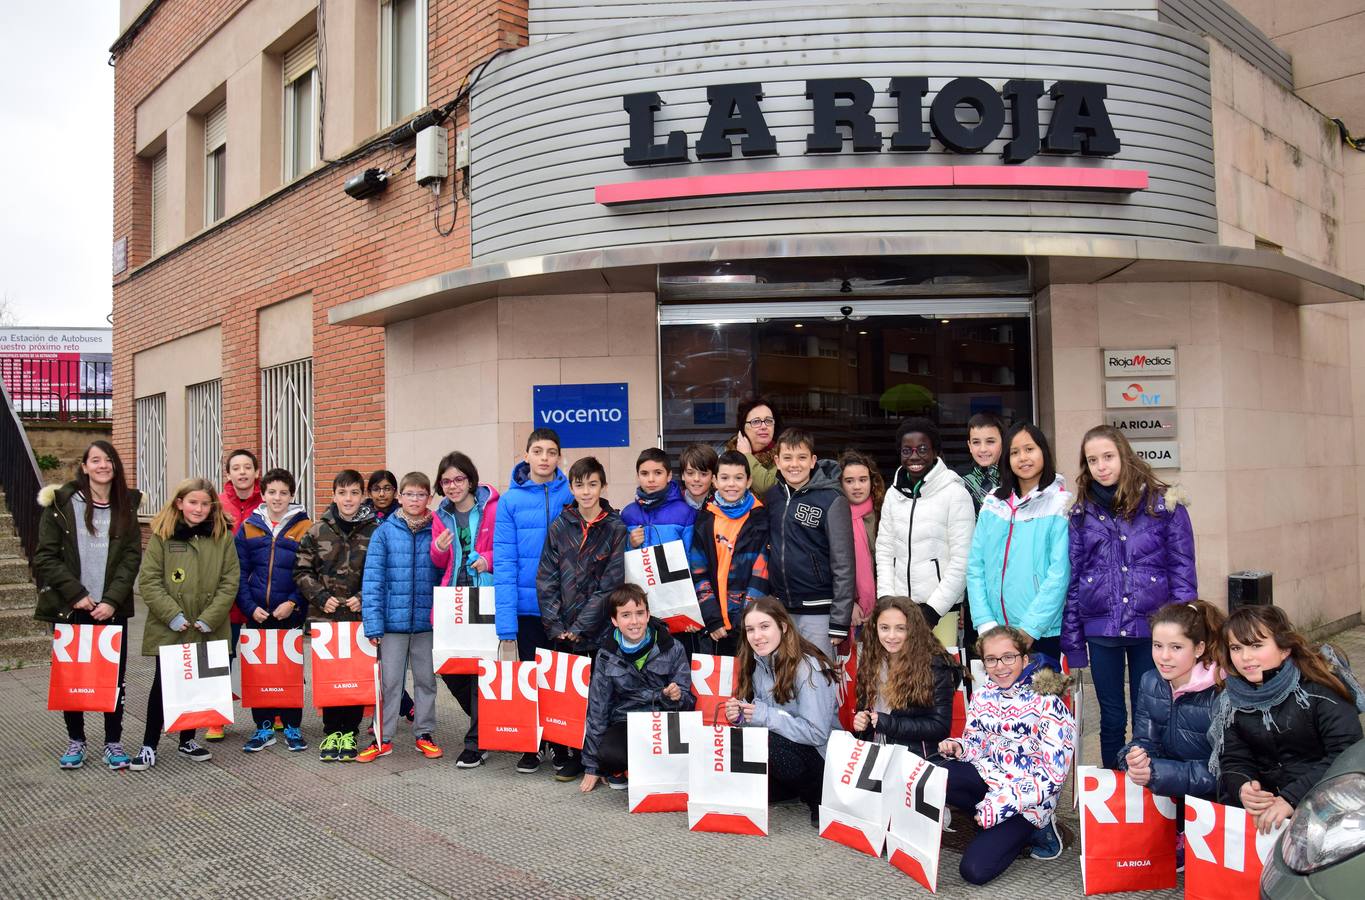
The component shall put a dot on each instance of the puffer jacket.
(331, 562)
(190, 574)
(923, 541)
(525, 512)
(1172, 727)
(809, 717)
(1124, 570)
(57, 559)
(395, 595)
(482, 517)
(267, 555)
(1019, 566)
(618, 687)
(810, 547)
(582, 564)
(744, 529)
(1020, 739)
(919, 727)
(671, 519)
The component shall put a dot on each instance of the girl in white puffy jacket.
(925, 531)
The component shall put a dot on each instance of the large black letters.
(642, 150)
(825, 94)
(1080, 121)
(980, 96)
(735, 110)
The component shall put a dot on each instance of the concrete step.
(19, 623)
(14, 569)
(9, 544)
(25, 651)
(18, 596)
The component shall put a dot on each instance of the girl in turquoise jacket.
(1019, 565)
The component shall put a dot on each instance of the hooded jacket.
(266, 554)
(399, 578)
(1172, 727)
(57, 559)
(670, 519)
(807, 718)
(919, 727)
(1020, 741)
(810, 547)
(482, 517)
(524, 516)
(923, 540)
(191, 574)
(618, 687)
(1020, 565)
(1123, 570)
(331, 562)
(583, 562)
(746, 577)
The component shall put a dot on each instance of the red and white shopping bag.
(343, 665)
(509, 716)
(852, 811)
(1224, 853)
(847, 690)
(914, 791)
(727, 780)
(714, 680)
(562, 685)
(1127, 835)
(196, 686)
(663, 572)
(657, 750)
(272, 668)
(84, 673)
(462, 629)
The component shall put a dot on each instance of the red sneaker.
(373, 752)
(428, 747)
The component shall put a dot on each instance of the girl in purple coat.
(1132, 552)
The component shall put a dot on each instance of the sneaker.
(214, 734)
(74, 757)
(293, 737)
(429, 747)
(560, 757)
(115, 757)
(470, 759)
(264, 737)
(529, 763)
(279, 724)
(1180, 852)
(145, 759)
(618, 782)
(1046, 842)
(374, 751)
(572, 771)
(194, 751)
(328, 749)
(346, 751)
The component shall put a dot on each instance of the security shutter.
(159, 203)
(301, 59)
(215, 128)
(151, 452)
(204, 406)
(287, 423)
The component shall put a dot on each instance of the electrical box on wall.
(431, 155)
(462, 148)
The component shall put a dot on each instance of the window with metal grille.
(159, 203)
(402, 58)
(287, 423)
(204, 414)
(151, 453)
(215, 164)
(300, 108)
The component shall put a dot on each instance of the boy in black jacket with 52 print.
(810, 555)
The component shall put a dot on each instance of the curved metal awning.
(1055, 259)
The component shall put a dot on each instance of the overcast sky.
(57, 117)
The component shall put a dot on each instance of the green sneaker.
(346, 747)
(330, 745)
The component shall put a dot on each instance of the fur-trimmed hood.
(48, 495)
(1041, 676)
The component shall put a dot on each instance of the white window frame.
(300, 63)
(287, 423)
(151, 453)
(388, 115)
(215, 182)
(159, 222)
(204, 422)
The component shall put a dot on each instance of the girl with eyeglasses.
(1008, 767)
(755, 436)
(383, 490)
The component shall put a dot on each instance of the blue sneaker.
(74, 757)
(294, 738)
(1046, 842)
(115, 757)
(264, 737)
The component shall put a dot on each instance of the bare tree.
(8, 317)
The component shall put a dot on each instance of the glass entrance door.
(849, 380)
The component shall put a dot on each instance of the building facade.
(1135, 210)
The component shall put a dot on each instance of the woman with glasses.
(1008, 767)
(755, 433)
(925, 534)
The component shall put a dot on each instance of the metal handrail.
(19, 475)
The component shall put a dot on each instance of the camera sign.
(1126, 363)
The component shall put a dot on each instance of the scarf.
(865, 579)
(981, 480)
(1240, 695)
(651, 500)
(739, 508)
(417, 524)
(1103, 496)
(637, 653)
(902, 483)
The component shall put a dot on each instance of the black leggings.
(344, 719)
(464, 688)
(113, 721)
(156, 716)
(612, 756)
(794, 770)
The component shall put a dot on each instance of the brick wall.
(308, 239)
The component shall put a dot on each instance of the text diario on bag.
(657, 748)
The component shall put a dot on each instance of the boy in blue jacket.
(659, 513)
(267, 545)
(395, 605)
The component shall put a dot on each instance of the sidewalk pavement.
(286, 823)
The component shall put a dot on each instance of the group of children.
(794, 559)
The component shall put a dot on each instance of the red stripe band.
(1057, 177)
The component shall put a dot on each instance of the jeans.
(1107, 660)
(993, 849)
(814, 627)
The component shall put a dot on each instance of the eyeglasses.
(454, 482)
(767, 422)
(414, 495)
(1008, 659)
(922, 450)
(382, 489)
